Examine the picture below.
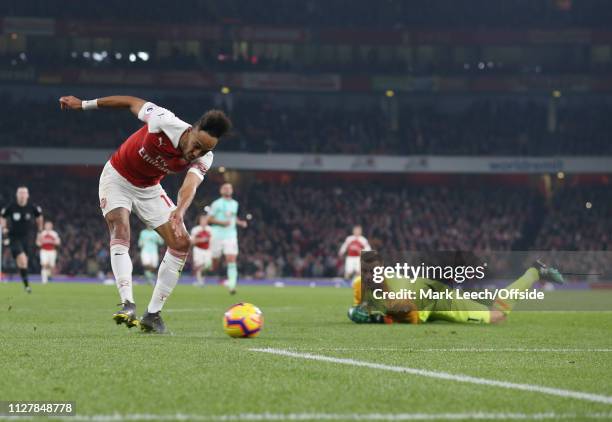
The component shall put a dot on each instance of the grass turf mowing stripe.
(482, 416)
(597, 398)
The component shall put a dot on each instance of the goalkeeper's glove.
(360, 315)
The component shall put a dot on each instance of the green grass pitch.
(60, 344)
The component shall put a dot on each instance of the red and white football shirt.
(152, 152)
(49, 239)
(353, 245)
(201, 236)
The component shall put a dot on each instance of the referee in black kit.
(16, 219)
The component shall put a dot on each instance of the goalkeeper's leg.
(464, 310)
(356, 286)
(525, 282)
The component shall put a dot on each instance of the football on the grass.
(243, 320)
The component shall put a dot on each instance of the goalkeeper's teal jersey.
(224, 209)
(149, 240)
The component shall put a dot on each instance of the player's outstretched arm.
(185, 198)
(114, 101)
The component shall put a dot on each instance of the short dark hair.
(215, 123)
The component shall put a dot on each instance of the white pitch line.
(597, 398)
(470, 350)
(486, 416)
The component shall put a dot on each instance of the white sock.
(122, 268)
(200, 275)
(167, 277)
(43, 276)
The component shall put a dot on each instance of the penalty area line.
(597, 398)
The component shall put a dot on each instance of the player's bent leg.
(118, 221)
(168, 275)
(526, 281)
(463, 311)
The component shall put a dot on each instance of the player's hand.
(242, 223)
(176, 222)
(359, 314)
(70, 103)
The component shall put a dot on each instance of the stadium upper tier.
(502, 126)
(387, 13)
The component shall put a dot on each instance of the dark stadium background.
(500, 111)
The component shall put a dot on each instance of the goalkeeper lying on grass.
(367, 309)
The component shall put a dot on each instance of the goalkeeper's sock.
(24, 276)
(122, 268)
(232, 275)
(167, 277)
(526, 281)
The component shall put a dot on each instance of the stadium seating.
(500, 13)
(297, 227)
(482, 127)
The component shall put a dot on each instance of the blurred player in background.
(352, 247)
(16, 219)
(202, 256)
(149, 242)
(131, 181)
(223, 217)
(47, 240)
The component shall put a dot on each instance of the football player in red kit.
(131, 181)
(352, 247)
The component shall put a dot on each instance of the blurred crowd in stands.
(220, 58)
(480, 127)
(297, 227)
(384, 13)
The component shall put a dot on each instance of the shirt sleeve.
(159, 119)
(366, 245)
(200, 166)
(3, 212)
(344, 245)
(213, 208)
(37, 211)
